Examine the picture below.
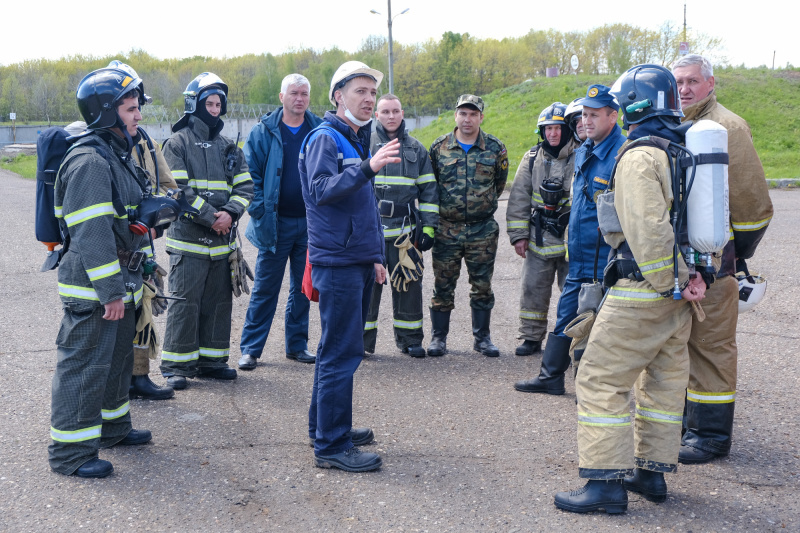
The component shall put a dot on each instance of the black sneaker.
(352, 460)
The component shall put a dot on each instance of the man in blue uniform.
(594, 161)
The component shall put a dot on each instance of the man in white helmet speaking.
(345, 250)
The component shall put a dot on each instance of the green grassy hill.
(768, 100)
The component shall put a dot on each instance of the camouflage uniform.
(469, 186)
(401, 185)
(542, 263)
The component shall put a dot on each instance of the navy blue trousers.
(291, 245)
(568, 303)
(344, 296)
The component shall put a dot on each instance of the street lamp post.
(389, 20)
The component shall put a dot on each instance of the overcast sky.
(52, 29)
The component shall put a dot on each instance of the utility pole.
(389, 20)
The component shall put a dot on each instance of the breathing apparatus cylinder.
(707, 208)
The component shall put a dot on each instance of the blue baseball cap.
(599, 96)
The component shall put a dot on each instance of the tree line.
(428, 76)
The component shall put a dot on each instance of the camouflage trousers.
(476, 244)
(538, 274)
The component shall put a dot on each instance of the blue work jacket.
(263, 151)
(344, 225)
(593, 167)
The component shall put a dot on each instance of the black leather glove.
(425, 243)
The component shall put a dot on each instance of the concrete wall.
(161, 131)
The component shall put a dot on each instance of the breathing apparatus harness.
(621, 263)
(546, 217)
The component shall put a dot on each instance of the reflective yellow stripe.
(78, 435)
(557, 249)
(394, 180)
(210, 185)
(710, 397)
(751, 226)
(198, 203)
(244, 201)
(87, 213)
(241, 178)
(405, 324)
(213, 352)
(518, 224)
(104, 271)
(655, 415)
(135, 297)
(633, 294)
(396, 232)
(147, 249)
(179, 357)
(75, 291)
(180, 174)
(199, 248)
(586, 419)
(59, 211)
(532, 315)
(429, 208)
(658, 265)
(116, 413)
(370, 325)
(425, 178)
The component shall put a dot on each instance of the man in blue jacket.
(278, 223)
(345, 248)
(594, 162)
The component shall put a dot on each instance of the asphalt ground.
(462, 450)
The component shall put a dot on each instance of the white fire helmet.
(751, 290)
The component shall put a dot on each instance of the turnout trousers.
(90, 407)
(639, 347)
(406, 309)
(291, 245)
(476, 244)
(344, 295)
(198, 333)
(711, 394)
(538, 274)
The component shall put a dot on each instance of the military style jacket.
(643, 197)
(406, 183)
(594, 164)
(469, 183)
(525, 197)
(750, 205)
(91, 271)
(197, 158)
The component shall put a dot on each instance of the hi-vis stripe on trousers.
(538, 274)
(90, 407)
(198, 333)
(643, 348)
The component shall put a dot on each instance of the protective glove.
(159, 305)
(426, 241)
(145, 337)
(240, 271)
(409, 265)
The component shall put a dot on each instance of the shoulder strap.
(534, 152)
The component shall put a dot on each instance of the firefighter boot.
(143, 387)
(649, 484)
(709, 428)
(480, 330)
(555, 362)
(440, 327)
(597, 494)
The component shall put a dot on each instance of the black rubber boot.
(555, 362)
(440, 327)
(528, 347)
(143, 387)
(597, 494)
(480, 330)
(649, 484)
(709, 430)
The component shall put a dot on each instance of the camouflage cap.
(471, 100)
